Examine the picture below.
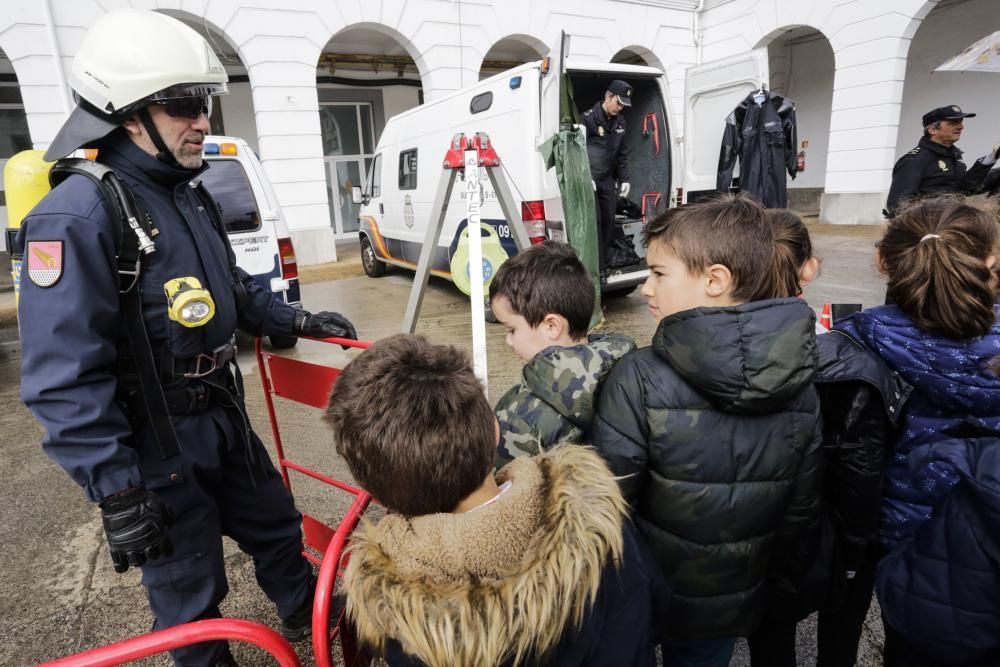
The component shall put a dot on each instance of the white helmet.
(130, 58)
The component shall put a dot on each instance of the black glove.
(324, 325)
(136, 525)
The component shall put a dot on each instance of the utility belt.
(183, 394)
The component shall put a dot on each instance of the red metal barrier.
(160, 641)
(310, 384)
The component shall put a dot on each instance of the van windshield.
(227, 183)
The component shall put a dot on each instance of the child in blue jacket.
(942, 337)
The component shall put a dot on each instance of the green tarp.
(567, 152)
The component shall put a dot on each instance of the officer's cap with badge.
(950, 112)
(622, 90)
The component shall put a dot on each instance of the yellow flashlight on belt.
(188, 303)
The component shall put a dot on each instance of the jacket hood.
(500, 583)
(951, 375)
(752, 358)
(567, 378)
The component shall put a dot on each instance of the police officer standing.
(935, 165)
(142, 405)
(608, 159)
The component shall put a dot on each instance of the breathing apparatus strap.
(212, 209)
(131, 236)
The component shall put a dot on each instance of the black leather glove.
(136, 525)
(324, 325)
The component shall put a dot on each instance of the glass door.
(348, 144)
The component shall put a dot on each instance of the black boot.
(298, 626)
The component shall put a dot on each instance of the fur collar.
(500, 583)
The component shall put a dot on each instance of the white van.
(519, 110)
(253, 220)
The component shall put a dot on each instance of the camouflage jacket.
(716, 431)
(557, 397)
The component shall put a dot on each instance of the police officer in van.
(608, 157)
(935, 165)
(130, 367)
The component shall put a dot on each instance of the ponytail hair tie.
(927, 237)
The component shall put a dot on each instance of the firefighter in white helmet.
(143, 405)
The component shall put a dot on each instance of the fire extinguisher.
(800, 161)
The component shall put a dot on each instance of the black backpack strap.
(133, 240)
(215, 214)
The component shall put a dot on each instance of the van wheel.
(283, 342)
(374, 267)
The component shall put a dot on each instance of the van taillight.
(289, 265)
(533, 216)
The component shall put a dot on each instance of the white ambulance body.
(519, 110)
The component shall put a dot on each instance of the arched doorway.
(951, 26)
(801, 67)
(233, 114)
(366, 74)
(511, 51)
(637, 55)
(14, 135)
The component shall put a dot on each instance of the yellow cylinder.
(25, 182)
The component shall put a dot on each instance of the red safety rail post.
(214, 629)
(311, 384)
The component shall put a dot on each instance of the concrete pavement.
(58, 593)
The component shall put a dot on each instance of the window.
(375, 178)
(481, 102)
(408, 169)
(227, 183)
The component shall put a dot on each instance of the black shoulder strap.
(215, 214)
(133, 239)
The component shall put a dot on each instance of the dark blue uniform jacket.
(71, 331)
(606, 148)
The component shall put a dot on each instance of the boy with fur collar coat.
(536, 565)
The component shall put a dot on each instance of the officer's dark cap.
(622, 90)
(951, 112)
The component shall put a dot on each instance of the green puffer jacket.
(557, 397)
(717, 428)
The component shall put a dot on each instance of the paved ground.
(58, 593)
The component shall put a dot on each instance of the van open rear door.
(712, 91)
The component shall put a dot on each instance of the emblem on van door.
(408, 211)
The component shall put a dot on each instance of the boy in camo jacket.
(544, 297)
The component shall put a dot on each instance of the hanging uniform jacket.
(762, 137)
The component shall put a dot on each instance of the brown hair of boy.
(934, 255)
(411, 420)
(731, 230)
(547, 279)
(792, 249)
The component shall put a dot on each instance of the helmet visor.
(187, 107)
(189, 90)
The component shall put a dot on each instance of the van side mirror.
(357, 196)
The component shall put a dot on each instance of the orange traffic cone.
(824, 320)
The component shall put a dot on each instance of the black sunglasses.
(187, 107)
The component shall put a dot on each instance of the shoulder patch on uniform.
(588, 112)
(914, 151)
(45, 262)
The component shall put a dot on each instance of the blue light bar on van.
(515, 82)
(211, 149)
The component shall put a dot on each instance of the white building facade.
(313, 81)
